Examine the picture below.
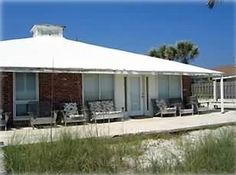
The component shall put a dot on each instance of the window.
(169, 86)
(98, 87)
(25, 91)
(174, 86)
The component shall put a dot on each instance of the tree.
(186, 51)
(182, 51)
(164, 51)
(211, 4)
(159, 53)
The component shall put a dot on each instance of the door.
(135, 105)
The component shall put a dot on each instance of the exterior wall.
(65, 87)
(7, 93)
(61, 87)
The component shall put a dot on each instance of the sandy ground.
(131, 126)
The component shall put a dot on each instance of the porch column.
(222, 93)
(214, 90)
(1, 100)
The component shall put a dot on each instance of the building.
(49, 67)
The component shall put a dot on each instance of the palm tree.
(186, 51)
(183, 51)
(170, 53)
(159, 53)
(211, 3)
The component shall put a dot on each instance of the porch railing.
(206, 90)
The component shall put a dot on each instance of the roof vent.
(47, 30)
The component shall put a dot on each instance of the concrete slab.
(132, 126)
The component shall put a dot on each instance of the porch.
(132, 126)
(132, 93)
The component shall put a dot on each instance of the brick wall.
(61, 87)
(7, 93)
(186, 83)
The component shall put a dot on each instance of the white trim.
(225, 77)
(102, 71)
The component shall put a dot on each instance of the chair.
(161, 107)
(104, 109)
(73, 113)
(4, 117)
(182, 108)
(198, 107)
(186, 110)
(41, 114)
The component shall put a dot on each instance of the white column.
(222, 94)
(214, 90)
(1, 100)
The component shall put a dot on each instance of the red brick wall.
(186, 84)
(7, 92)
(61, 87)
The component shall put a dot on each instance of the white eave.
(57, 54)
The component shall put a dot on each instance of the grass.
(89, 155)
(213, 153)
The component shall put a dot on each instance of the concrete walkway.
(132, 126)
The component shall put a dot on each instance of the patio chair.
(161, 107)
(104, 109)
(182, 108)
(41, 114)
(198, 107)
(73, 113)
(4, 117)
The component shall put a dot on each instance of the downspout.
(222, 94)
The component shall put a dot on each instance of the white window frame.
(99, 86)
(180, 81)
(15, 102)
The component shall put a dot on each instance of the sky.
(135, 26)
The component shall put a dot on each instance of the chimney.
(47, 30)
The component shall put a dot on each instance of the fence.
(205, 90)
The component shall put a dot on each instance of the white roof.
(52, 53)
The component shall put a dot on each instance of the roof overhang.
(99, 71)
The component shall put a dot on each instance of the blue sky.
(132, 26)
